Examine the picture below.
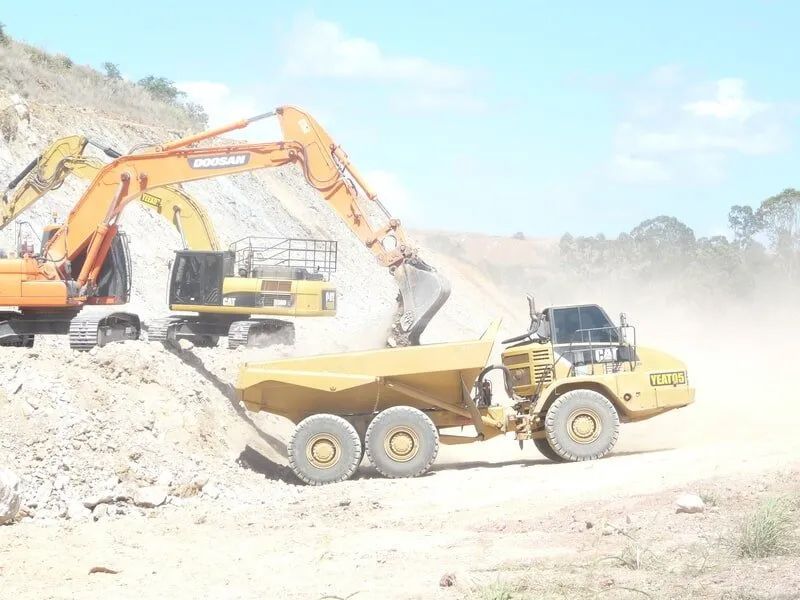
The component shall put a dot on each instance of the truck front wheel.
(324, 449)
(581, 425)
(543, 446)
(402, 442)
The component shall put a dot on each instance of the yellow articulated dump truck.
(570, 381)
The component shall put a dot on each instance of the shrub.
(767, 531)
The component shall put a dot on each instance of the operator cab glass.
(582, 325)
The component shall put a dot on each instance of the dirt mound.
(76, 426)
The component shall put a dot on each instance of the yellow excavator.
(296, 271)
(85, 261)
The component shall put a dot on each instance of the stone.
(211, 490)
(150, 496)
(165, 479)
(690, 503)
(9, 495)
(100, 511)
(103, 498)
(76, 511)
(185, 344)
(43, 494)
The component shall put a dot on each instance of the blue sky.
(502, 117)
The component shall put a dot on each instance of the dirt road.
(496, 510)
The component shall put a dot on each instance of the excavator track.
(159, 330)
(20, 341)
(247, 333)
(86, 332)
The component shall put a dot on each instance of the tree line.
(764, 242)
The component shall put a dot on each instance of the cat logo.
(671, 378)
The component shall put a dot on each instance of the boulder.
(9, 495)
(690, 503)
(150, 497)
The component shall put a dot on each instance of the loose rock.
(9, 495)
(150, 497)
(76, 511)
(690, 503)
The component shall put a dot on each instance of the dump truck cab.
(578, 348)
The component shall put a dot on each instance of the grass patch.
(767, 530)
(499, 590)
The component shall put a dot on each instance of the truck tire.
(544, 448)
(402, 442)
(324, 449)
(581, 425)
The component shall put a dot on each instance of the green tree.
(663, 240)
(112, 70)
(197, 114)
(161, 88)
(745, 223)
(780, 217)
(5, 39)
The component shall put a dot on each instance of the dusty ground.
(509, 518)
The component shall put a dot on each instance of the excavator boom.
(75, 254)
(65, 156)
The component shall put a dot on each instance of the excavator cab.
(197, 277)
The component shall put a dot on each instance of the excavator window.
(197, 277)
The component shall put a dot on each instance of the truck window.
(593, 318)
(570, 325)
(566, 323)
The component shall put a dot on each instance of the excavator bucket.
(423, 291)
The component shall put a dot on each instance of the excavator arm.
(84, 239)
(66, 157)
(328, 168)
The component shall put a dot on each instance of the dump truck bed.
(365, 382)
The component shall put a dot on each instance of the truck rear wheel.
(544, 448)
(402, 442)
(581, 425)
(324, 449)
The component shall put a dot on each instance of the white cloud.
(225, 106)
(321, 49)
(665, 137)
(729, 102)
(391, 191)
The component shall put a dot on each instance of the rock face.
(9, 495)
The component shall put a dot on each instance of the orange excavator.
(85, 261)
